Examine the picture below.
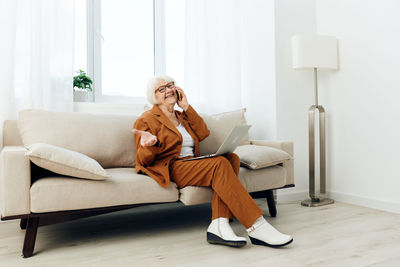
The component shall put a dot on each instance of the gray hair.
(152, 85)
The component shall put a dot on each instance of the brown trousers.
(221, 173)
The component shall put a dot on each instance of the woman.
(165, 136)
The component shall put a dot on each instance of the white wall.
(294, 89)
(362, 100)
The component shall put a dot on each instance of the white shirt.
(188, 142)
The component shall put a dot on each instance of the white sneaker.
(264, 234)
(220, 232)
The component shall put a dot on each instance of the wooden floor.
(174, 235)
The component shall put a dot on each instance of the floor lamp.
(315, 52)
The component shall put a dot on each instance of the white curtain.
(36, 52)
(213, 54)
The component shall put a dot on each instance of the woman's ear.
(155, 101)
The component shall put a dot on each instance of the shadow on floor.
(133, 223)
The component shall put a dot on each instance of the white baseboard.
(366, 202)
(346, 198)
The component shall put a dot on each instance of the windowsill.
(109, 108)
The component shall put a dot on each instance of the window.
(127, 50)
(128, 41)
(80, 58)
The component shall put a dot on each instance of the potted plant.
(82, 86)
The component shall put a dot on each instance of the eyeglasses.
(163, 88)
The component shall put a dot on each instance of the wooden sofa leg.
(271, 203)
(23, 223)
(30, 236)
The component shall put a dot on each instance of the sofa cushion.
(253, 181)
(122, 188)
(65, 161)
(106, 138)
(220, 125)
(258, 157)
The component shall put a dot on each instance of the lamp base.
(316, 202)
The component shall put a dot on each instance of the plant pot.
(81, 95)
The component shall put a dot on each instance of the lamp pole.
(316, 86)
(314, 200)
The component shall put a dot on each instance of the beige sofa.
(40, 197)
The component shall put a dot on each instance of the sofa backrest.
(103, 137)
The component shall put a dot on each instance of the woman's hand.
(146, 138)
(183, 104)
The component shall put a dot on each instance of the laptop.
(230, 143)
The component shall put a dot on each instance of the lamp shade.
(314, 51)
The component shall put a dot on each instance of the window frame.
(94, 39)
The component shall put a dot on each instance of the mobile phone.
(178, 95)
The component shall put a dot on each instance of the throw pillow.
(256, 157)
(220, 125)
(65, 162)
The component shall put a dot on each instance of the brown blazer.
(154, 161)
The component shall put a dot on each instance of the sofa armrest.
(286, 146)
(15, 181)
